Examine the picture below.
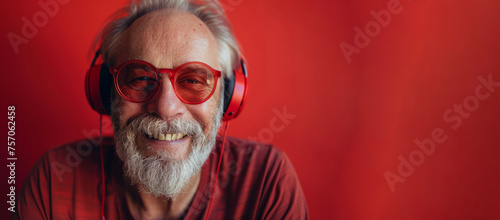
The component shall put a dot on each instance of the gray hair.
(208, 11)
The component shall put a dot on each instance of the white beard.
(163, 175)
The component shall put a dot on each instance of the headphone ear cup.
(228, 91)
(98, 83)
(105, 85)
(235, 91)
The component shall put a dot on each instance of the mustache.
(149, 124)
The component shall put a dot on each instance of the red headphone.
(99, 81)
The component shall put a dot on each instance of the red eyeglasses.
(138, 81)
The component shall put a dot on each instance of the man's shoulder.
(247, 156)
(78, 157)
(259, 180)
(252, 150)
(64, 179)
(79, 150)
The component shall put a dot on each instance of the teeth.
(166, 137)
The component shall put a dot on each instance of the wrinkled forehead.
(167, 38)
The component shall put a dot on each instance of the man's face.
(166, 39)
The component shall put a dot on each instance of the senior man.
(163, 160)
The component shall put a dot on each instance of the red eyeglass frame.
(171, 75)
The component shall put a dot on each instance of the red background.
(352, 120)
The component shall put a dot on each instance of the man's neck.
(143, 205)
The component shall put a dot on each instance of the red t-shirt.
(256, 181)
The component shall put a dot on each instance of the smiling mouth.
(165, 137)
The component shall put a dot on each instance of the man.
(168, 59)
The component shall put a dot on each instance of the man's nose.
(165, 102)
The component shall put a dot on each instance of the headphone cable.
(218, 167)
(102, 168)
